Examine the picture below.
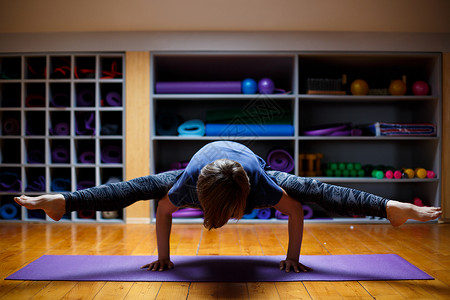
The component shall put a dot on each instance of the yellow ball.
(359, 87)
(397, 88)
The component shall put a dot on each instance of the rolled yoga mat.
(60, 185)
(36, 184)
(280, 160)
(251, 215)
(307, 212)
(85, 123)
(9, 211)
(214, 268)
(61, 128)
(35, 156)
(188, 213)
(86, 214)
(264, 213)
(199, 87)
(280, 216)
(192, 128)
(85, 98)
(60, 100)
(111, 154)
(10, 182)
(11, 126)
(167, 124)
(113, 99)
(110, 214)
(60, 154)
(87, 157)
(249, 130)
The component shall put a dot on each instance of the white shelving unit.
(290, 71)
(62, 117)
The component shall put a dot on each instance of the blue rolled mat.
(192, 128)
(9, 211)
(264, 213)
(251, 215)
(60, 185)
(249, 130)
(167, 124)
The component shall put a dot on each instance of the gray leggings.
(340, 200)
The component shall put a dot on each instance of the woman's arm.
(293, 208)
(163, 227)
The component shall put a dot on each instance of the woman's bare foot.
(400, 212)
(53, 205)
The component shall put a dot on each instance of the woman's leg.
(111, 196)
(347, 201)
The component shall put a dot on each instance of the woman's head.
(222, 187)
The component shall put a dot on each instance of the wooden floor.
(425, 245)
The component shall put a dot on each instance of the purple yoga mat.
(199, 87)
(219, 268)
(281, 160)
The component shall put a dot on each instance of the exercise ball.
(266, 86)
(359, 87)
(420, 88)
(249, 86)
(397, 88)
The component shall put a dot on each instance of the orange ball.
(359, 87)
(397, 87)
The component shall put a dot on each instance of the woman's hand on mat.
(159, 265)
(294, 264)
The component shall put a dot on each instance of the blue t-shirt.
(263, 189)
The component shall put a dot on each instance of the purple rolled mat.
(87, 157)
(264, 213)
(85, 98)
(35, 156)
(37, 185)
(188, 213)
(10, 182)
(280, 216)
(85, 123)
(114, 99)
(60, 100)
(198, 87)
(11, 126)
(281, 160)
(60, 154)
(84, 184)
(307, 212)
(111, 154)
(62, 128)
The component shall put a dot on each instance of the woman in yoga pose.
(227, 180)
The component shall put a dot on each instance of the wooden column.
(137, 161)
(445, 180)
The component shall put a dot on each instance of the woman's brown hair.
(222, 187)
